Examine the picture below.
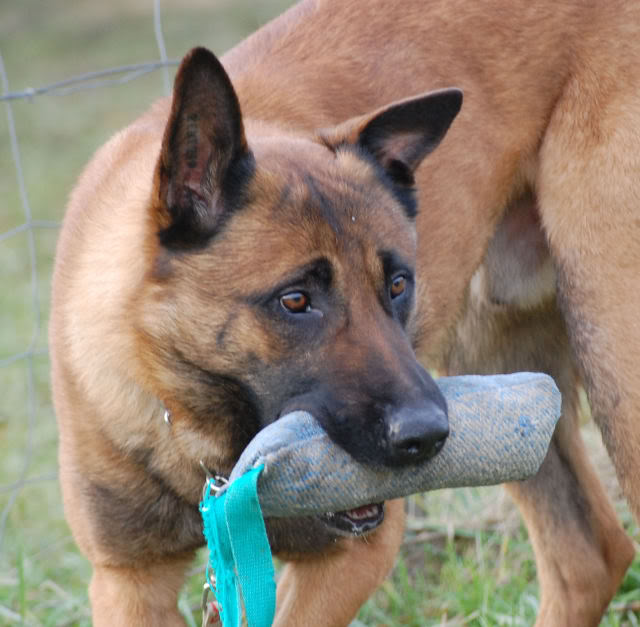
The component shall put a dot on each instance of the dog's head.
(282, 273)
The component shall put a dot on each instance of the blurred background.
(466, 559)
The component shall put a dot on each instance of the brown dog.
(226, 260)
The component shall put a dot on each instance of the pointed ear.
(402, 134)
(204, 150)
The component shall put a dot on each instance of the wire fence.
(27, 475)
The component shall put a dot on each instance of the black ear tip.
(197, 60)
(453, 97)
(199, 54)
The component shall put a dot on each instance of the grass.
(466, 560)
(480, 577)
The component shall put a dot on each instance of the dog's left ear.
(204, 154)
(402, 134)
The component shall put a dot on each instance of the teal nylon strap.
(251, 550)
(221, 560)
(239, 552)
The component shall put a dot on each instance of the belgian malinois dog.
(308, 224)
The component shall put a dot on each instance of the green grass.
(479, 578)
(466, 561)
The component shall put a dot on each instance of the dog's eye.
(295, 302)
(398, 286)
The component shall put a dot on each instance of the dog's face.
(283, 274)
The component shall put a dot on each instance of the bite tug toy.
(500, 430)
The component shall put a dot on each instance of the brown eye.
(398, 286)
(295, 302)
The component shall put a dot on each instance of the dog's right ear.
(204, 152)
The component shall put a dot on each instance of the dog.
(312, 222)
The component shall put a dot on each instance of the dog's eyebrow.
(393, 261)
(322, 202)
(318, 271)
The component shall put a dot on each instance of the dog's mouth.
(358, 521)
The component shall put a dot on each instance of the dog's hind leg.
(329, 589)
(581, 550)
(589, 185)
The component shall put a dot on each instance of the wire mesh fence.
(22, 390)
(92, 80)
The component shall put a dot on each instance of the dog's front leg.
(328, 590)
(144, 596)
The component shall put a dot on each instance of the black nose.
(415, 434)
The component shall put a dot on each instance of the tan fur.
(551, 115)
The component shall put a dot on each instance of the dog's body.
(231, 279)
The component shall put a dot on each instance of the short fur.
(286, 179)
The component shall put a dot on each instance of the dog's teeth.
(363, 512)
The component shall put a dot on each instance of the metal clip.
(213, 483)
(210, 610)
(207, 472)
